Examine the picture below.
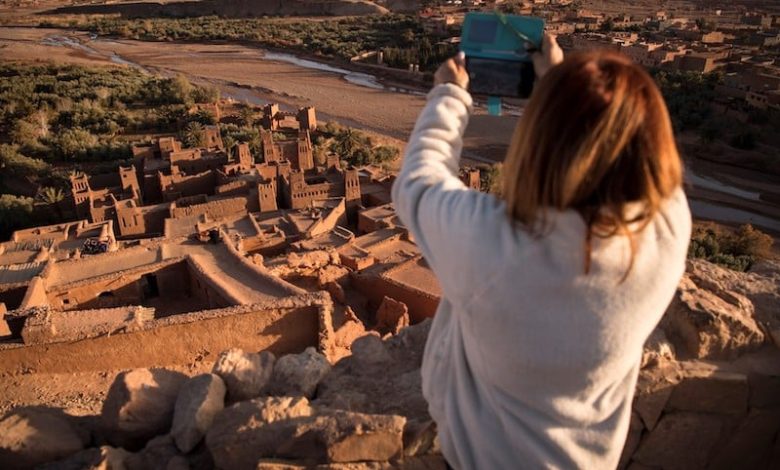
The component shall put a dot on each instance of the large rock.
(711, 392)
(711, 324)
(682, 441)
(761, 286)
(288, 428)
(751, 445)
(239, 434)
(392, 316)
(298, 374)
(635, 429)
(97, 458)
(245, 374)
(31, 436)
(140, 405)
(159, 453)
(380, 377)
(341, 436)
(199, 400)
(657, 349)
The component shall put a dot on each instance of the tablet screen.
(494, 77)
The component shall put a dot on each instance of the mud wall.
(421, 305)
(13, 297)
(205, 289)
(213, 209)
(124, 288)
(283, 330)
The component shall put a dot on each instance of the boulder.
(750, 446)
(650, 405)
(711, 392)
(702, 323)
(199, 400)
(140, 405)
(392, 316)
(308, 259)
(635, 429)
(380, 377)
(332, 273)
(341, 436)
(298, 374)
(239, 435)
(682, 441)
(159, 453)
(288, 428)
(764, 390)
(245, 374)
(35, 435)
(420, 438)
(657, 348)
(103, 458)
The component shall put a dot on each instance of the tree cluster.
(737, 250)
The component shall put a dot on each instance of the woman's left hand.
(453, 71)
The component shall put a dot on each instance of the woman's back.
(534, 352)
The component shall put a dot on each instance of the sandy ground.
(78, 394)
(242, 72)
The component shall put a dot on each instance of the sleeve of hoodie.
(457, 229)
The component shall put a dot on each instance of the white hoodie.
(530, 362)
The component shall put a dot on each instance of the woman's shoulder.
(674, 215)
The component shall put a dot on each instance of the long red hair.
(595, 137)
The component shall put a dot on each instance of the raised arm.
(443, 215)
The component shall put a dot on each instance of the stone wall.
(214, 209)
(284, 326)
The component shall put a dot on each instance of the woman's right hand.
(550, 55)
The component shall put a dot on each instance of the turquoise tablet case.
(498, 36)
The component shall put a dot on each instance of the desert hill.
(231, 8)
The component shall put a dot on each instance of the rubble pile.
(708, 396)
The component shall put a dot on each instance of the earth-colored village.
(240, 305)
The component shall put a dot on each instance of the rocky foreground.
(708, 396)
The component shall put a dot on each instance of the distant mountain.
(231, 8)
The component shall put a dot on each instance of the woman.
(550, 291)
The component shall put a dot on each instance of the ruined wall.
(36, 294)
(12, 296)
(192, 161)
(111, 290)
(214, 209)
(421, 304)
(176, 340)
(232, 188)
(138, 221)
(175, 186)
(204, 288)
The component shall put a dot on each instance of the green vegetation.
(15, 212)
(353, 146)
(54, 118)
(72, 113)
(687, 95)
(401, 37)
(690, 97)
(737, 250)
(491, 179)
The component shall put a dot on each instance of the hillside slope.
(231, 8)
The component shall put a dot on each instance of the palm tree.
(347, 142)
(52, 197)
(193, 135)
(247, 116)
